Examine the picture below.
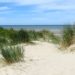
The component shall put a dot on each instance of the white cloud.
(40, 1)
(29, 1)
(56, 7)
(63, 4)
(45, 4)
(3, 8)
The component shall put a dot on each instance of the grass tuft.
(67, 37)
(12, 54)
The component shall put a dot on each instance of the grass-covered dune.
(11, 37)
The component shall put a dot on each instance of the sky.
(37, 12)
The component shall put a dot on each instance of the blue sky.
(31, 12)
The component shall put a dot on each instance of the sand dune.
(42, 59)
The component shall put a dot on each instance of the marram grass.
(67, 37)
(12, 54)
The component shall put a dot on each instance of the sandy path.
(42, 59)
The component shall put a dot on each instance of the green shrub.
(19, 36)
(73, 34)
(55, 39)
(67, 37)
(3, 40)
(33, 35)
(44, 34)
(23, 36)
(12, 54)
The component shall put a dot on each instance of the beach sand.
(43, 58)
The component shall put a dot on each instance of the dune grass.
(12, 54)
(12, 36)
(73, 34)
(67, 36)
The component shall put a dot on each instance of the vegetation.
(18, 36)
(11, 37)
(73, 34)
(33, 35)
(67, 37)
(12, 54)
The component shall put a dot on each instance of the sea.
(33, 27)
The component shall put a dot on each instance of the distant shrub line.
(12, 36)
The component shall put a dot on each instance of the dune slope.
(42, 59)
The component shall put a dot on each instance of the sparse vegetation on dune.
(13, 37)
(10, 37)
